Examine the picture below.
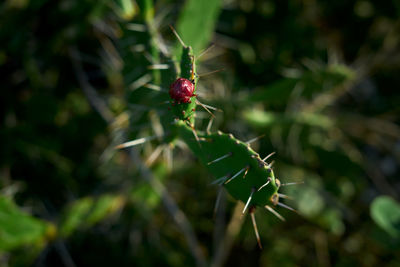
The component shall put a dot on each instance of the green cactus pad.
(239, 162)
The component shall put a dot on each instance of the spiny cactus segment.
(235, 165)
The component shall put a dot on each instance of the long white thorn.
(294, 183)
(154, 155)
(218, 200)
(271, 164)
(221, 180)
(158, 67)
(140, 82)
(209, 125)
(220, 158)
(212, 108)
(284, 196)
(177, 36)
(274, 212)
(209, 73)
(168, 157)
(196, 136)
(253, 219)
(149, 57)
(136, 142)
(264, 185)
(286, 207)
(267, 157)
(205, 51)
(136, 27)
(236, 175)
(154, 87)
(255, 139)
(204, 106)
(248, 201)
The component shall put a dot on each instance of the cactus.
(235, 165)
(64, 186)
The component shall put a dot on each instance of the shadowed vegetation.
(315, 82)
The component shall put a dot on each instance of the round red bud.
(181, 90)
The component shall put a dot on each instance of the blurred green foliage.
(20, 229)
(386, 213)
(196, 23)
(317, 79)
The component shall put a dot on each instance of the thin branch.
(171, 206)
(225, 246)
(94, 99)
(64, 254)
(219, 219)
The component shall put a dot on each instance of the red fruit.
(181, 90)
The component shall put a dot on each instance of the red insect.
(181, 90)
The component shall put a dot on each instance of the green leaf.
(146, 9)
(145, 196)
(105, 206)
(324, 79)
(385, 211)
(275, 93)
(127, 9)
(88, 211)
(197, 22)
(75, 215)
(264, 119)
(20, 229)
